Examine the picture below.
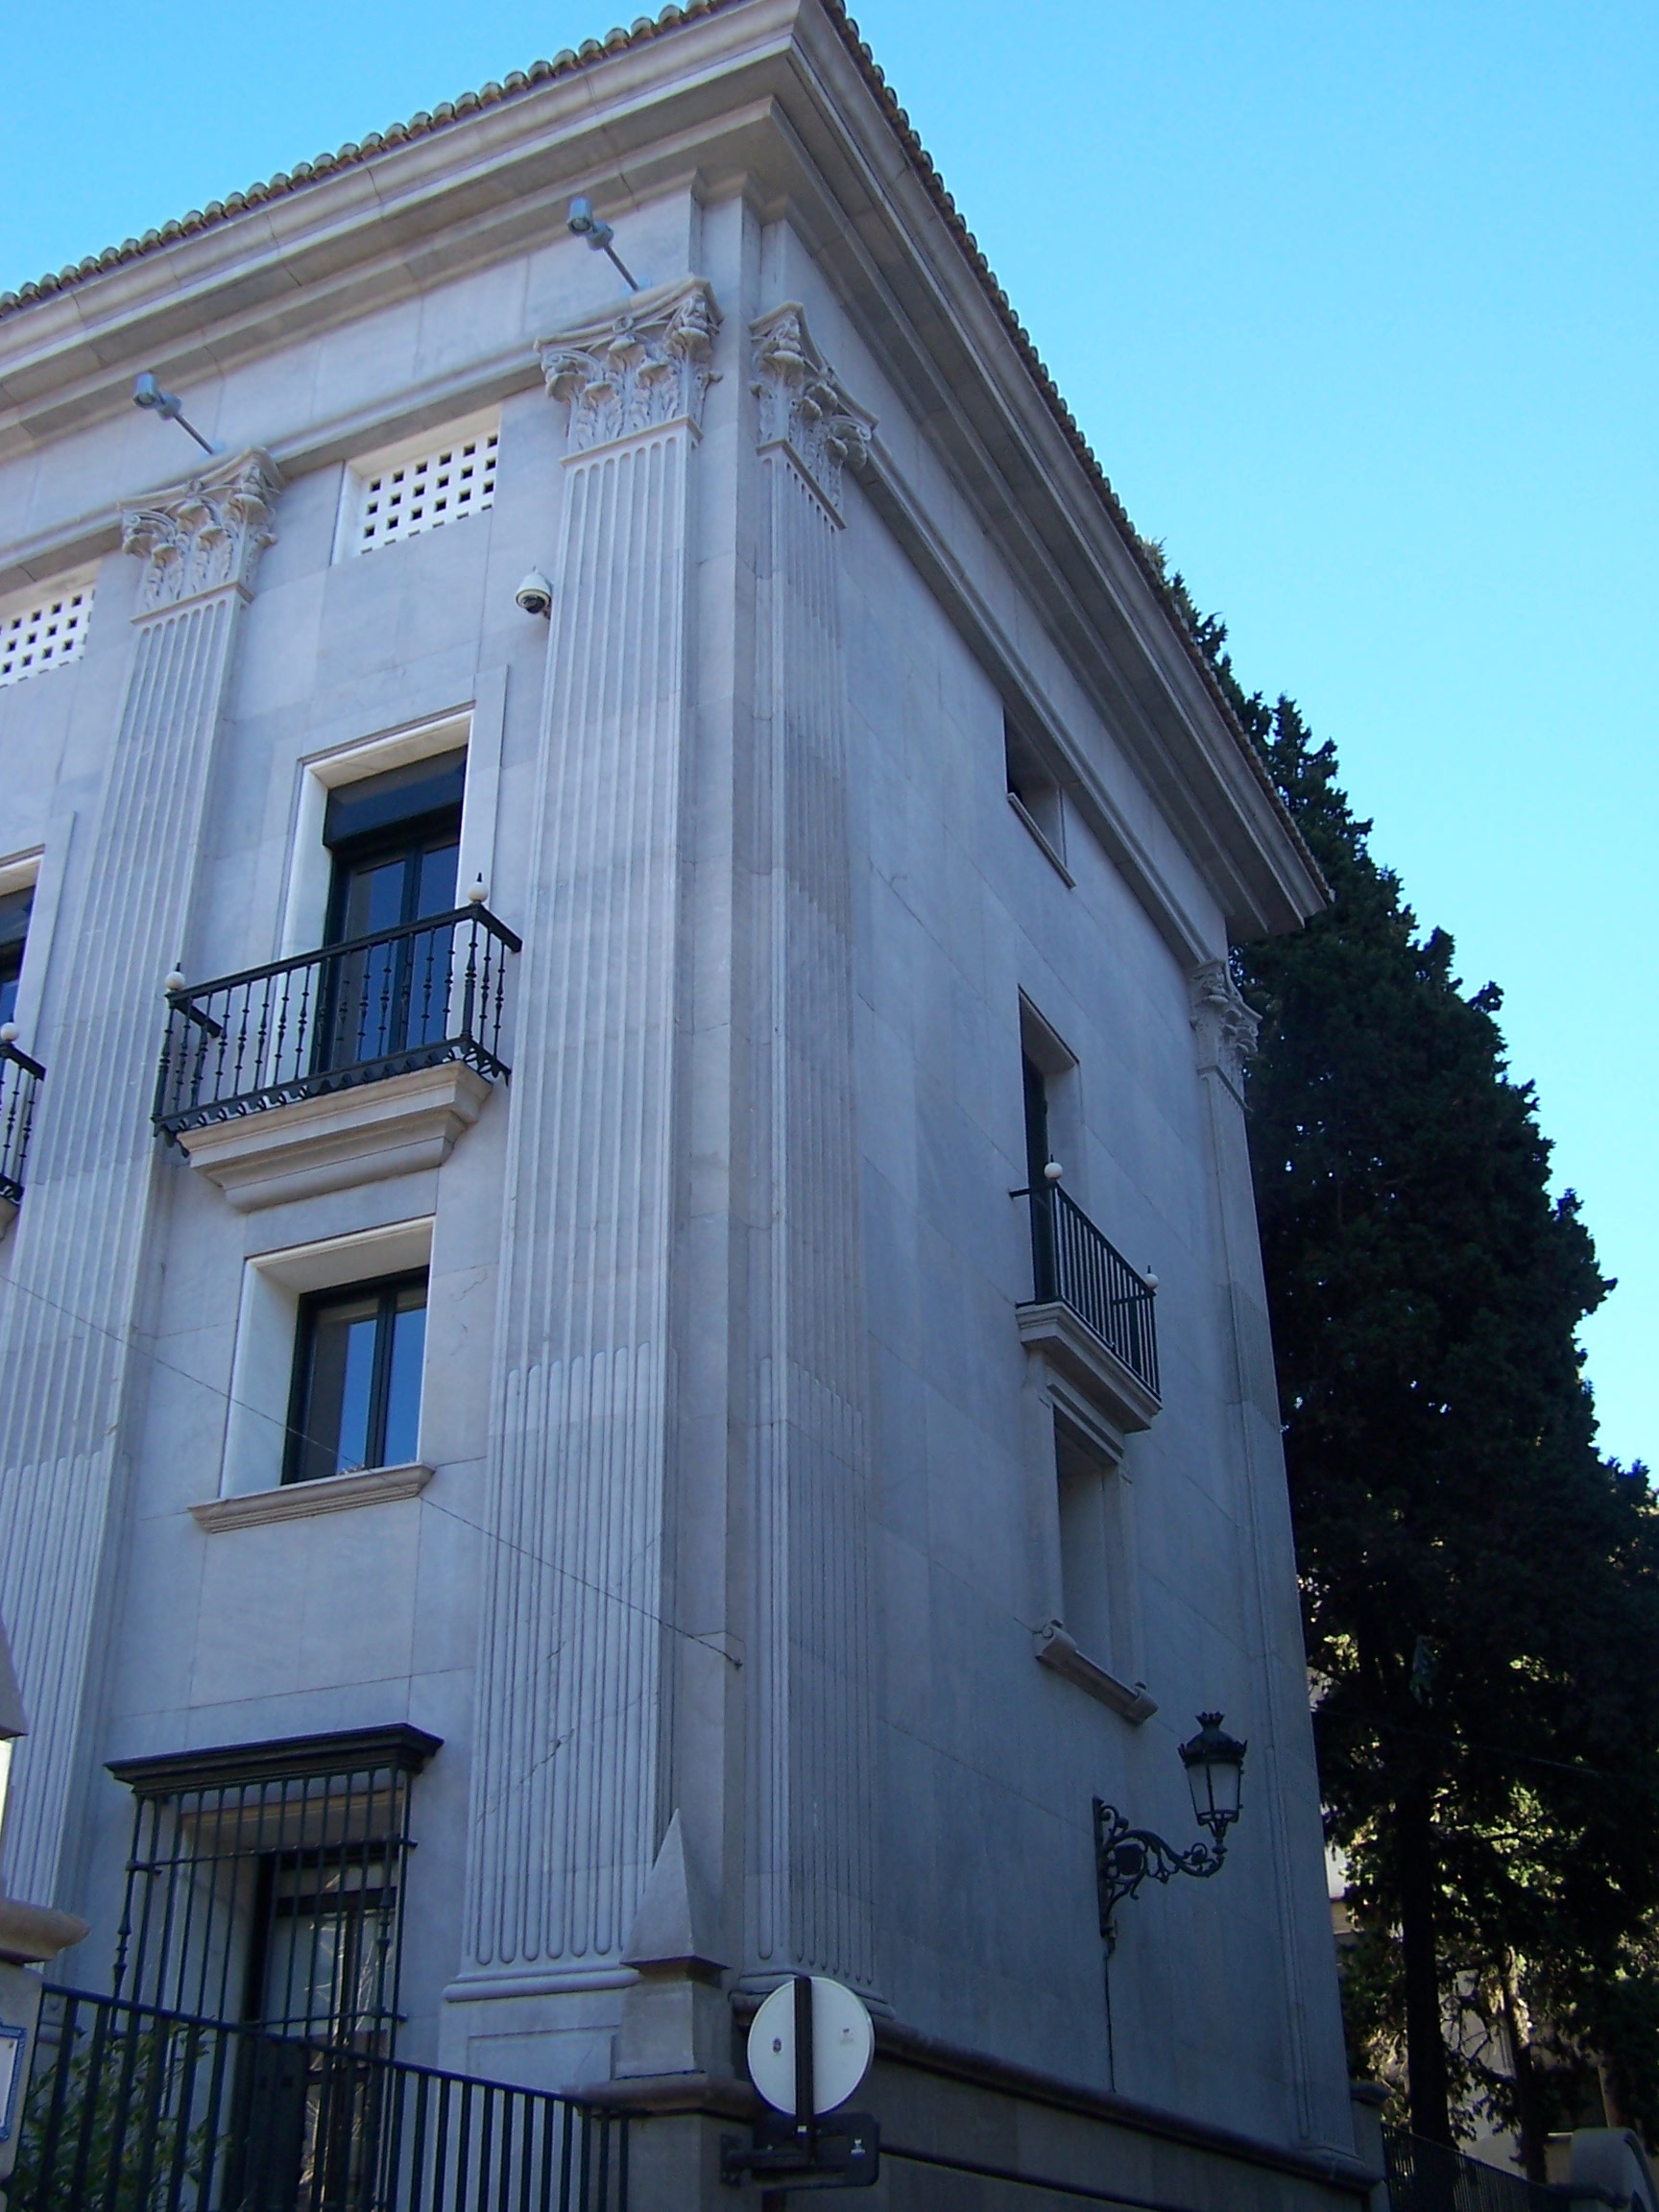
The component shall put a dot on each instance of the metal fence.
(1426, 2176)
(380, 1005)
(134, 2110)
(20, 1078)
(1076, 1265)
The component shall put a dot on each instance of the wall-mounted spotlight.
(147, 392)
(583, 223)
(535, 594)
(1125, 1857)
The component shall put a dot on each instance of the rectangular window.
(15, 910)
(1034, 793)
(1091, 1549)
(389, 499)
(357, 1367)
(47, 634)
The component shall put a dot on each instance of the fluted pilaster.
(811, 1832)
(566, 1813)
(69, 1363)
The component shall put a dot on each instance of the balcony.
(1091, 1315)
(358, 1061)
(20, 1078)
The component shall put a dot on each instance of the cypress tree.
(1480, 1587)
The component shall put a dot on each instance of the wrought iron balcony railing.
(380, 1005)
(20, 1078)
(132, 2109)
(1073, 1265)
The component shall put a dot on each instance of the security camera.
(535, 594)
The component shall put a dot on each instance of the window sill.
(1055, 1647)
(1043, 845)
(301, 1501)
(397, 1126)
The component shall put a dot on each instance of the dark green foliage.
(1480, 1587)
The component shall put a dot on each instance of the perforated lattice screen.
(45, 635)
(426, 493)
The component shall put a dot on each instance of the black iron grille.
(19, 1079)
(1074, 1265)
(266, 1886)
(375, 1006)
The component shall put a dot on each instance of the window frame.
(386, 1288)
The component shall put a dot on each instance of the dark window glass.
(14, 908)
(357, 1379)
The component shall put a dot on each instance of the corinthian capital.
(641, 370)
(208, 532)
(1225, 1027)
(803, 404)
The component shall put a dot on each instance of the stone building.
(523, 1315)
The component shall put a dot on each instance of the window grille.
(426, 491)
(266, 1886)
(46, 635)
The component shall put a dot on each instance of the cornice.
(780, 99)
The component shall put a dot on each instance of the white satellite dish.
(843, 2045)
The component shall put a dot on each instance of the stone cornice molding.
(1224, 1025)
(642, 370)
(804, 409)
(206, 535)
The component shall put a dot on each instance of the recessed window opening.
(15, 907)
(47, 634)
(393, 842)
(357, 1371)
(1033, 791)
(1091, 1549)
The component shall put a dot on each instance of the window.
(1034, 793)
(15, 911)
(1091, 1549)
(46, 634)
(357, 1364)
(403, 493)
(393, 841)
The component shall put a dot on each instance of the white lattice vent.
(44, 636)
(401, 499)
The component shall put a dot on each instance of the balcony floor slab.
(395, 1126)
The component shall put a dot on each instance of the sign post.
(810, 2045)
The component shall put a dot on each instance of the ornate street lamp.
(1125, 1857)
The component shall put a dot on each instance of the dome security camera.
(535, 594)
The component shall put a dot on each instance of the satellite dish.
(843, 2045)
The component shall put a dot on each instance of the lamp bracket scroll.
(1128, 1858)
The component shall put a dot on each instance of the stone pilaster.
(568, 1807)
(68, 1370)
(1285, 1786)
(813, 1815)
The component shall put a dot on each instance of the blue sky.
(1358, 307)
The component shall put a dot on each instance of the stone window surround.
(476, 728)
(250, 1486)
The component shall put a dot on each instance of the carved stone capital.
(641, 370)
(1225, 1027)
(803, 404)
(207, 534)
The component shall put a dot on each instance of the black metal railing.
(384, 1004)
(20, 1078)
(1425, 2176)
(1073, 1264)
(132, 2109)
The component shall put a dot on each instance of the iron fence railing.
(375, 1007)
(1425, 2176)
(20, 1078)
(132, 2110)
(1073, 1264)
